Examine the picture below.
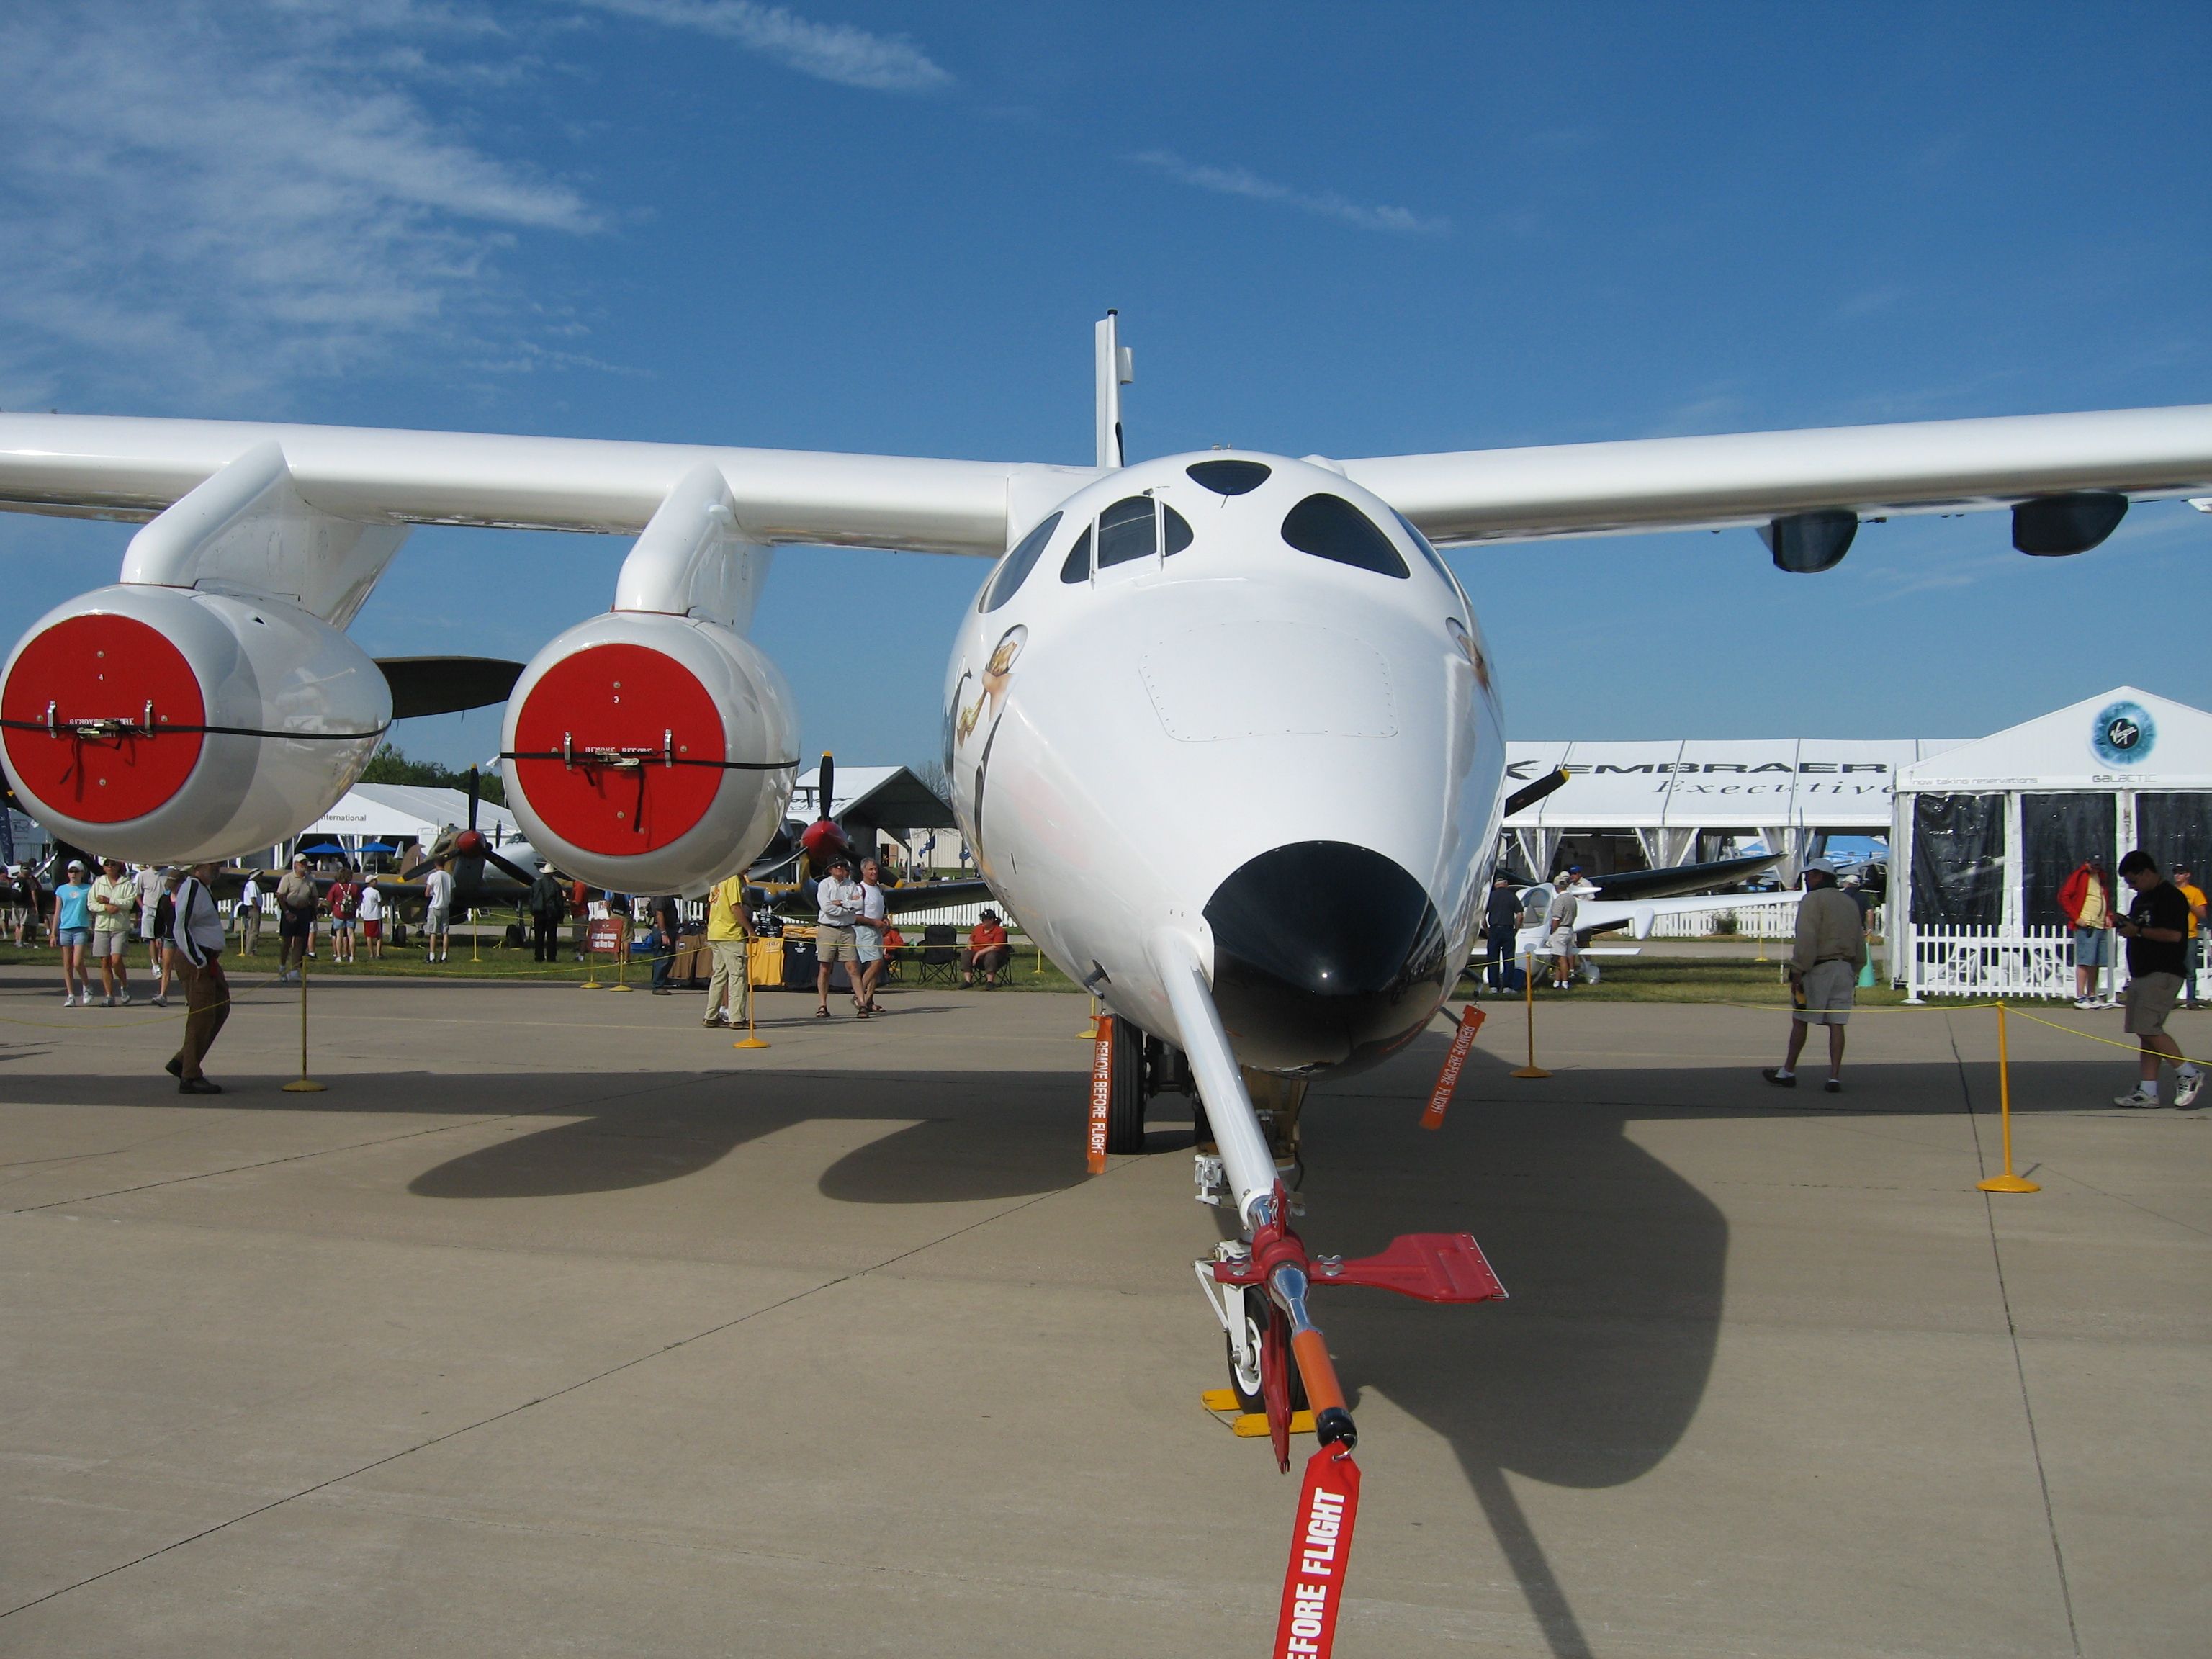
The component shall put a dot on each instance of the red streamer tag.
(1470, 1021)
(1102, 1092)
(1321, 1550)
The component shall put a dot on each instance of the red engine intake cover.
(640, 703)
(102, 668)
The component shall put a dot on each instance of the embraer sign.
(1731, 786)
(1525, 769)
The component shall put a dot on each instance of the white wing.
(114, 467)
(100, 466)
(1750, 478)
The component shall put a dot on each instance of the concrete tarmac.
(559, 1326)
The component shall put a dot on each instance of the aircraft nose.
(1325, 954)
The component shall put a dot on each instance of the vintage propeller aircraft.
(1267, 645)
(800, 855)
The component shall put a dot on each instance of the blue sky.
(888, 227)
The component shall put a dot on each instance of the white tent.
(398, 813)
(1784, 791)
(1984, 834)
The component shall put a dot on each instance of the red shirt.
(987, 933)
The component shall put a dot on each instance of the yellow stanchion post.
(621, 962)
(590, 964)
(1528, 1000)
(2007, 1182)
(751, 1038)
(303, 1085)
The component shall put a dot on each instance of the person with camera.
(2156, 929)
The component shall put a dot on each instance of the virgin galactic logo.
(2123, 734)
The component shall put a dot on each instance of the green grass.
(1658, 979)
(490, 962)
(1684, 979)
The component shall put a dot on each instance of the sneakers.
(107, 1002)
(2085, 1002)
(161, 998)
(2187, 1085)
(718, 1017)
(2138, 1096)
(1778, 1078)
(198, 1085)
(124, 999)
(1833, 1086)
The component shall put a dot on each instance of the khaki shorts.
(1830, 990)
(105, 943)
(833, 944)
(2149, 1000)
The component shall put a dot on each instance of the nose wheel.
(1263, 1356)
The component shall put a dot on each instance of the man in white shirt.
(249, 916)
(1560, 926)
(840, 900)
(372, 919)
(438, 912)
(198, 934)
(868, 933)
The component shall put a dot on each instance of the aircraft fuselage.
(1256, 712)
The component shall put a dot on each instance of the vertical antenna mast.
(1115, 369)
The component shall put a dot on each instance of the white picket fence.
(1775, 918)
(1989, 962)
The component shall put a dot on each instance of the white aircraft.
(1267, 648)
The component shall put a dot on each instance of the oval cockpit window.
(1174, 530)
(1330, 527)
(1229, 478)
(1013, 570)
(1126, 532)
(1075, 567)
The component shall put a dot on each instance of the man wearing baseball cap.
(1824, 971)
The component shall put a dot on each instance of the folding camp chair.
(939, 959)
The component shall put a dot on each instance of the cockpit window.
(1330, 527)
(1429, 552)
(1075, 567)
(1229, 478)
(1126, 532)
(1013, 570)
(1135, 527)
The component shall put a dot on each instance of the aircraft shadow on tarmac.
(1591, 1372)
(1588, 1376)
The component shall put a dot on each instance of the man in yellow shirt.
(729, 931)
(2185, 879)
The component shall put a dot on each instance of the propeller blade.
(827, 778)
(1535, 792)
(445, 685)
(500, 861)
(476, 790)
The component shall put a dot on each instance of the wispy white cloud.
(1238, 181)
(830, 51)
(202, 203)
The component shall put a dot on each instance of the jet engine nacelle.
(650, 753)
(170, 725)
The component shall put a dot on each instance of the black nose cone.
(1325, 955)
